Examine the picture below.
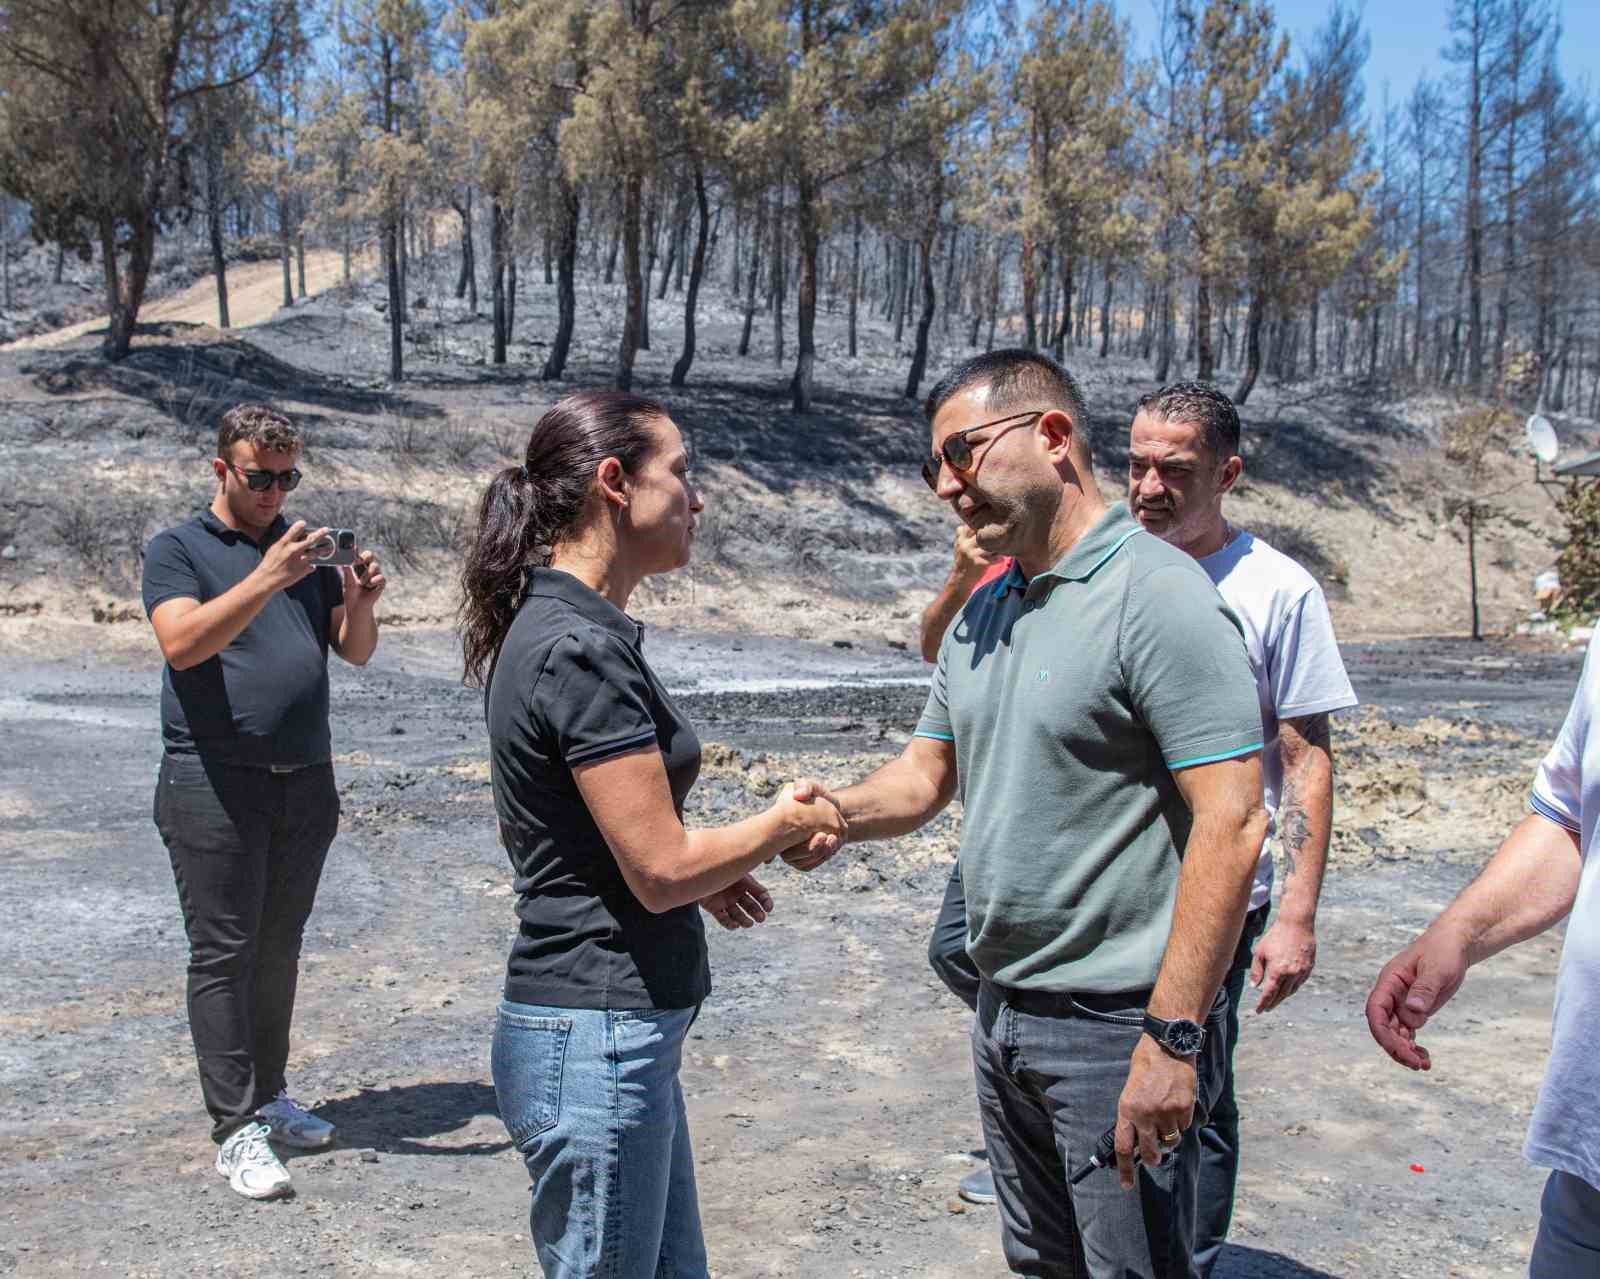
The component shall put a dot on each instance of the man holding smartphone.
(245, 801)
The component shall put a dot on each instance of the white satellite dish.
(1541, 437)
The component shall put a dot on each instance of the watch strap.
(1169, 1034)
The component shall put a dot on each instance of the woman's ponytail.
(491, 578)
(527, 509)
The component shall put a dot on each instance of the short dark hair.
(526, 510)
(258, 424)
(1015, 376)
(1202, 403)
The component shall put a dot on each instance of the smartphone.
(337, 546)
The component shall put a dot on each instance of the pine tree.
(834, 75)
(97, 127)
(391, 54)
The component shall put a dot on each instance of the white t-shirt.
(1293, 654)
(1565, 1132)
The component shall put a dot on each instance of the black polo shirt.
(263, 700)
(571, 686)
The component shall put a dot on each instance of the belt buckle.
(278, 770)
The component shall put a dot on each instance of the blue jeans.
(1568, 1243)
(592, 1101)
(1219, 1135)
(1050, 1073)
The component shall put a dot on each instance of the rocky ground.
(828, 1079)
(830, 1090)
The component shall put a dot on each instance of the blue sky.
(1406, 35)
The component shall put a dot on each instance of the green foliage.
(1579, 561)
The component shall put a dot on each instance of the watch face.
(1185, 1037)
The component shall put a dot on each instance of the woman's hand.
(821, 830)
(742, 904)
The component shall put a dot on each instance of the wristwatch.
(1180, 1036)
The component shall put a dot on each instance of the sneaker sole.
(275, 1192)
(972, 1198)
(300, 1143)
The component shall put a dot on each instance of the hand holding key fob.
(1105, 1156)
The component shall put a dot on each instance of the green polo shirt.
(1071, 700)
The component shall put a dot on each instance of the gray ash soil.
(828, 1076)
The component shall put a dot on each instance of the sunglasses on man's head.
(957, 450)
(261, 481)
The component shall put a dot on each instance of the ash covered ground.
(828, 1077)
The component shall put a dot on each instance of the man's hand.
(824, 843)
(1284, 958)
(971, 560)
(1156, 1102)
(289, 559)
(743, 904)
(363, 583)
(1413, 986)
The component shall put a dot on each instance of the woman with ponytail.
(591, 762)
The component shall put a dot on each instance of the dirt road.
(828, 1077)
(255, 293)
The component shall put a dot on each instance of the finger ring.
(1171, 1138)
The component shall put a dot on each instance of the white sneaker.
(294, 1125)
(250, 1166)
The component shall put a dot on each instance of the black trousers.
(1219, 1135)
(247, 848)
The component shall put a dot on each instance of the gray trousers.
(1568, 1243)
(1050, 1071)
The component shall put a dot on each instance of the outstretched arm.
(1528, 885)
(904, 794)
(665, 865)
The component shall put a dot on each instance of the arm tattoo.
(1293, 827)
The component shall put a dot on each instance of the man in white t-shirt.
(1544, 870)
(1183, 458)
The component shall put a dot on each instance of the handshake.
(806, 805)
(809, 815)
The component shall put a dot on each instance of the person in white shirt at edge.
(1183, 459)
(1545, 869)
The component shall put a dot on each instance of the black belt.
(1055, 1003)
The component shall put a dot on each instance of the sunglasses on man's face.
(958, 451)
(261, 481)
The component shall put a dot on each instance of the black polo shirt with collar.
(263, 700)
(570, 686)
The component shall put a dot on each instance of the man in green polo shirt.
(1096, 712)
